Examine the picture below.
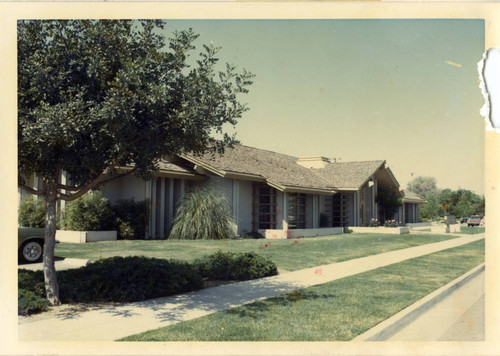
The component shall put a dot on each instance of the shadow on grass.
(169, 310)
(173, 309)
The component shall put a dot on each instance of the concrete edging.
(394, 324)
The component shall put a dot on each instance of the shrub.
(91, 212)
(31, 293)
(32, 281)
(127, 279)
(131, 218)
(29, 302)
(116, 279)
(252, 235)
(32, 213)
(374, 223)
(203, 214)
(235, 266)
(391, 223)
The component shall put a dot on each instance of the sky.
(406, 91)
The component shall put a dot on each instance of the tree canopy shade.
(96, 95)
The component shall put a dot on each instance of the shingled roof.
(349, 175)
(276, 169)
(283, 172)
(410, 197)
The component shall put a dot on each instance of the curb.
(394, 324)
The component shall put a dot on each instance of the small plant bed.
(131, 279)
(471, 230)
(289, 255)
(335, 311)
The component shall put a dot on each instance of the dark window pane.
(264, 200)
(264, 209)
(264, 191)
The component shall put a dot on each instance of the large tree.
(97, 95)
(423, 186)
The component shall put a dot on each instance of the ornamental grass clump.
(203, 214)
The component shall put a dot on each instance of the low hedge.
(224, 265)
(120, 279)
(131, 279)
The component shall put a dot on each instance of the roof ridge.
(265, 150)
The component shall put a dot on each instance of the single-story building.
(275, 194)
(408, 212)
(272, 193)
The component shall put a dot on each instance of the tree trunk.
(49, 269)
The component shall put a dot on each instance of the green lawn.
(471, 230)
(335, 311)
(289, 255)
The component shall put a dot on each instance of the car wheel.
(31, 251)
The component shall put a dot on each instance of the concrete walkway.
(61, 265)
(112, 323)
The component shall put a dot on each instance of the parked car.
(30, 244)
(464, 220)
(474, 220)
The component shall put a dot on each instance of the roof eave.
(372, 174)
(245, 176)
(414, 201)
(168, 173)
(297, 189)
(393, 178)
(204, 165)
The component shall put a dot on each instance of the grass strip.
(471, 230)
(335, 311)
(289, 255)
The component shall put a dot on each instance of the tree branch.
(97, 182)
(31, 190)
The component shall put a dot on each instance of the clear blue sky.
(401, 90)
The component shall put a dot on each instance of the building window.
(339, 216)
(264, 207)
(296, 211)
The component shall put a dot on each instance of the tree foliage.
(460, 203)
(389, 203)
(97, 95)
(423, 186)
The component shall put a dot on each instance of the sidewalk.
(61, 265)
(112, 323)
